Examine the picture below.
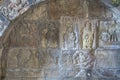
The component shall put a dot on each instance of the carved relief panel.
(109, 34)
(24, 34)
(88, 34)
(22, 58)
(49, 34)
(69, 35)
(107, 63)
(78, 33)
(78, 59)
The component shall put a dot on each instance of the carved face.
(88, 26)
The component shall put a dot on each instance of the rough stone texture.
(26, 36)
(0, 58)
(64, 40)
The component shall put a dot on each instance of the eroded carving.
(52, 36)
(49, 35)
(69, 32)
(88, 36)
(85, 61)
(106, 63)
(88, 33)
(26, 34)
(69, 37)
(82, 60)
(18, 59)
(13, 9)
(43, 38)
(109, 34)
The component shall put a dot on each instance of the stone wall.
(64, 40)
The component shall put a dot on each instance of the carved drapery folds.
(89, 35)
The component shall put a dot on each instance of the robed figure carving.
(69, 37)
(87, 36)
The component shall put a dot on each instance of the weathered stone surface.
(25, 63)
(37, 12)
(76, 63)
(109, 34)
(3, 24)
(78, 33)
(26, 36)
(1, 49)
(48, 34)
(64, 40)
(69, 32)
(60, 8)
(97, 9)
(23, 58)
(107, 63)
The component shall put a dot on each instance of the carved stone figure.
(113, 35)
(109, 34)
(84, 61)
(87, 36)
(69, 37)
(43, 38)
(52, 37)
(105, 36)
(76, 58)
